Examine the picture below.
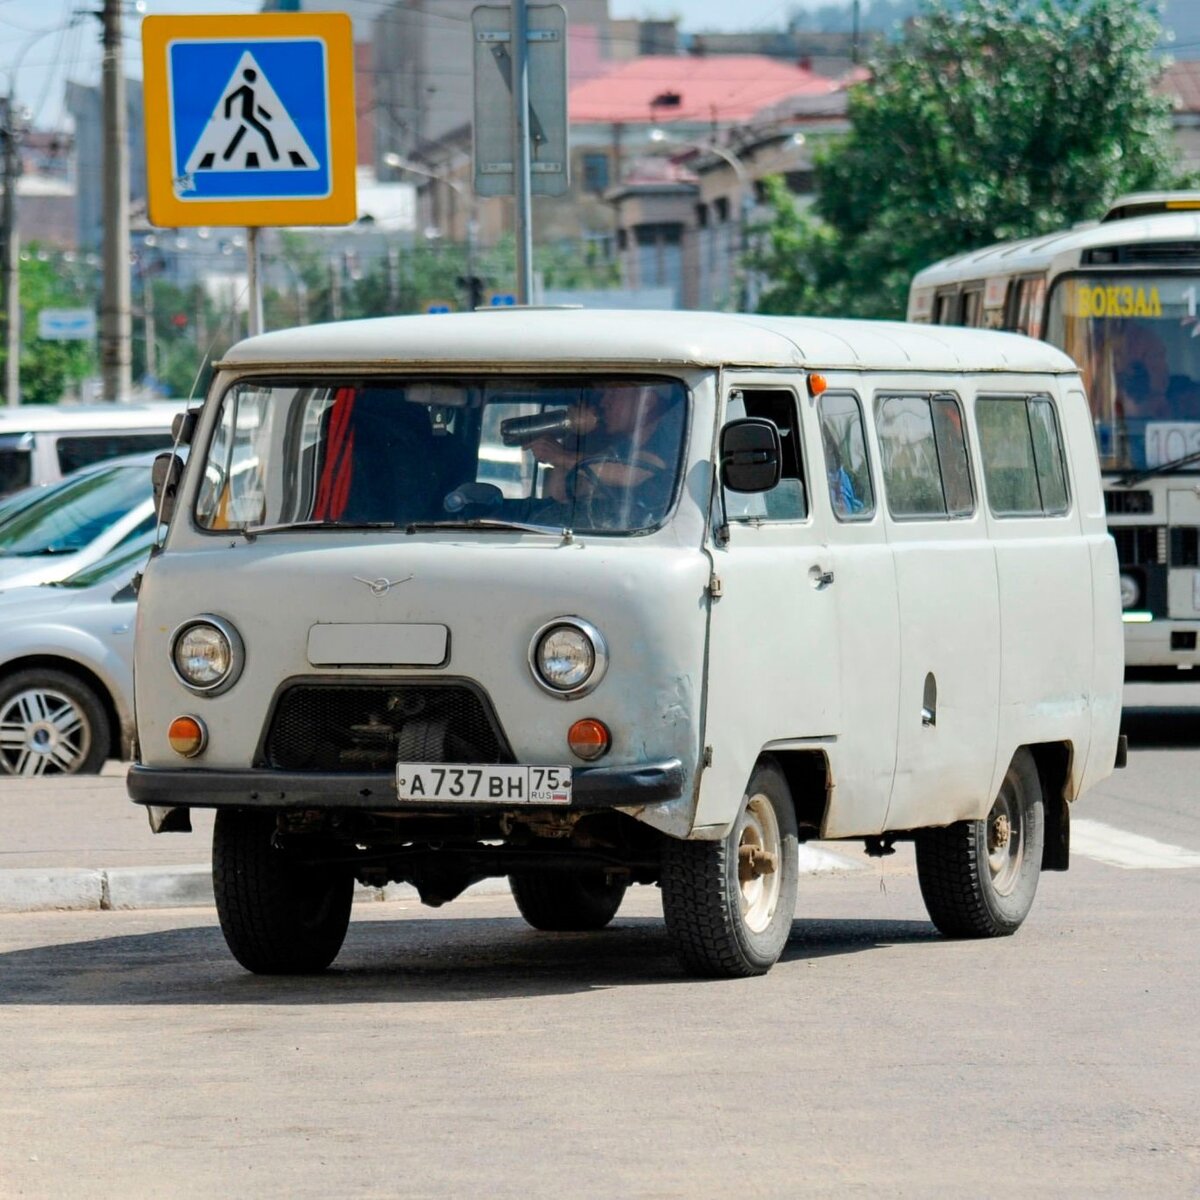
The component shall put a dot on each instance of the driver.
(620, 440)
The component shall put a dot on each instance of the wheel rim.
(1005, 830)
(43, 732)
(760, 861)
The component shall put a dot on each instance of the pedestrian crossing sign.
(250, 120)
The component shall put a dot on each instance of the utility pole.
(522, 166)
(148, 320)
(116, 319)
(9, 264)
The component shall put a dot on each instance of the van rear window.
(1022, 456)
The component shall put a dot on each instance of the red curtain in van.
(333, 488)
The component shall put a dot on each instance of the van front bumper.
(593, 788)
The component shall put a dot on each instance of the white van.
(770, 580)
(40, 443)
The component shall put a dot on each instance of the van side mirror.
(751, 455)
(183, 425)
(165, 476)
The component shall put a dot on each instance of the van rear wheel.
(561, 902)
(279, 915)
(978, 878)
(729, 904)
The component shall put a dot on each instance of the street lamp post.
(398, 163)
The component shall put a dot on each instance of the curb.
(70, 889)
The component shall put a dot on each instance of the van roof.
(515, 337)
(55, 418)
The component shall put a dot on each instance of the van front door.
(773, 669)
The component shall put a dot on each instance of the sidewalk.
(79, 843)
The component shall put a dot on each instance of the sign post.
(520, 68)
(250, 121)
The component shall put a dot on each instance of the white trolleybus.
(1120, 296)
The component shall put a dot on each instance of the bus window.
(945, 308)
(972, 308)
(1027, 303)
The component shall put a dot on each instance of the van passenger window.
(846, 464)
(1022, 456)
(788, 500)
(82, 450)
(925, 468)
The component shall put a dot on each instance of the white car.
(66, 675)
(74, 523)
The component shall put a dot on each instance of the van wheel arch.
(809, 780)
(47, 662)
(1054, 760)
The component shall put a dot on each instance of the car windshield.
(117, 566)
(1136, 339)
(70, 515)
(591, 455)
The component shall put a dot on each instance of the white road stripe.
(1105, 844)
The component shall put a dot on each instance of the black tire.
(279, 917)
(67, 728)
(562, 902)
(978, 878)
(724, 926)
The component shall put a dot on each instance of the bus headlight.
(1131, 591)
(568, 657)
(207, 655)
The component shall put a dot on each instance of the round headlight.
(207, 654)
(568, 657)
(1131, 593)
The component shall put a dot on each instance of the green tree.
(984, 121)
(49, 368)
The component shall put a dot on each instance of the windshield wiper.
(1162, 469)
(485, 523)
(45, 550)
(250, 532)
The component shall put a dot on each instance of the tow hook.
(753, 861)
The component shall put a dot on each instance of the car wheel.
(280, 916)
(978, 878)
(729, 904)
(559, 902)
(51, 724)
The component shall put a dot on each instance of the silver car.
(51, 532)
(66, 667)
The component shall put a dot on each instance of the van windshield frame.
(540, 453)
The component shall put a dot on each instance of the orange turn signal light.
(817, 384)
(589, 739)
(187, 736)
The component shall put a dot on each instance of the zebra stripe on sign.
(1094, 840)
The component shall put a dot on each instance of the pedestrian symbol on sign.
(249, 129)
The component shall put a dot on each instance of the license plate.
(486, 785)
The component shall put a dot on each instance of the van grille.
(1137, 545)
(371, 726)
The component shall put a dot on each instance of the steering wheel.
(601, 504)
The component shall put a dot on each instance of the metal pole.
(254, 288)
(148, 322)
(116, 319)
(10, 265)
(521, 154)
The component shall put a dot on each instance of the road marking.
(1117, 848)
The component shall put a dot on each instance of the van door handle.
(819, 576)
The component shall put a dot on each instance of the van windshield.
(591, 455)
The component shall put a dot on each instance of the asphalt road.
(457, 1051)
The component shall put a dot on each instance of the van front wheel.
(729, 904)
(978, 878)
(279, 915)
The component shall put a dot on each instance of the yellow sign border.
(340, 207)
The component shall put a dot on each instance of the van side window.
(1022, 456)
(925, 467)
(82, 450)
(788, 500)
(846, 464)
